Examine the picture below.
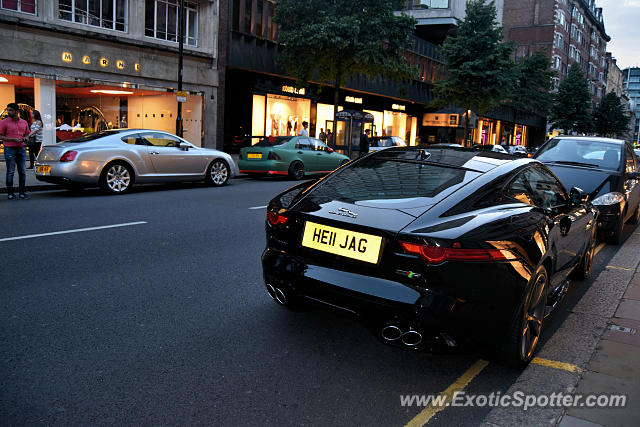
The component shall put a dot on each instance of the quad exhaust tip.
(280, 296)
(411, 338)
(391, 333)
(271, 291)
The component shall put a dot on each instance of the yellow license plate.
(347, 243)
(43, 169)
(254, 155)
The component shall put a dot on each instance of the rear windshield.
(273, 141)
(92, 136)
(393, 182)
(601, 154)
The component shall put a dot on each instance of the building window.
(572, 52)
(27, 6)
(556, 62)
(111, 14)
(560, 17)
(558, 40)
(161, 20)
(430, 4)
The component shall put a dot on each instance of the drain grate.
(622, 329)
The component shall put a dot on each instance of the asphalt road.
(167, 322)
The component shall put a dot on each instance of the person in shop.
(36, 133)
(329, 138)
(13, 133)
(304, 131)
(322, 135)
(364, 142)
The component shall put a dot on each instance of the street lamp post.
(180, 54)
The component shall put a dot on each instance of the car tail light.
(69, 156)
(276, 218)
(438, 254)
(273, 156)
(529, 154)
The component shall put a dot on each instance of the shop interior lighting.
(3, 80)
(112, 92)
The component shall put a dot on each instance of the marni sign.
(103, 62)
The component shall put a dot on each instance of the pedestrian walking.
(13, 133)
(304, 131)
(36, 135)
(364, 142)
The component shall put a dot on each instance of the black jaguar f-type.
(433, 247)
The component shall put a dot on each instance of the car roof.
(467, 158)
(591, 138)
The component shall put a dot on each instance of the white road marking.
(258, 207)
(78, 230)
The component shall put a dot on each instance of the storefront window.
(111, 14)
(84, 107)
(395, 124)
(27, 6)
(285, 115)
(161, 20)
(324, 119)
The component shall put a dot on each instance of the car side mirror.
(633, 175)
(183, 146)
(578, 195)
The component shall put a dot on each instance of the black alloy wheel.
(527, 328)
(583, 270)
(296, 170)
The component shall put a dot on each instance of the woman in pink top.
(13, 132)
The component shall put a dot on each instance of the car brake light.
(69, 156)
(276, 219)
(273, 156)
(438, 254)
(529, 155)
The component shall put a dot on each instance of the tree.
(532, 91)
(332, 40)
(609, 117)
(481, 73)
(572, 104)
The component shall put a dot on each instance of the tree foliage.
(331, 40)
(571, 110)
(532, 91)
(480, 71)
(609, 117)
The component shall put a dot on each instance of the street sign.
(181, 96)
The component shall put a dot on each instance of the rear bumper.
(380, 302)
(273, 167)
(81, 172)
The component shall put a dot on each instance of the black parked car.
(433, 247)
(607, 169)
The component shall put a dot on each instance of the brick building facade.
(571, 31)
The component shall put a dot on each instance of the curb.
(575, 342)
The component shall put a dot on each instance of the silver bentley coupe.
(115, 159)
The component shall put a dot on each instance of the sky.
(622, 24)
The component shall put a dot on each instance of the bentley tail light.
(69, 156)
(276, 218)
(439, 254)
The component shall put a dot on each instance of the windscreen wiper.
(562, 162)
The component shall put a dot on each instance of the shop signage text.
(291, 89)
(121, 65)
(353, 99)
(398, 107)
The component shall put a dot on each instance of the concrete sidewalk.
(32, 183)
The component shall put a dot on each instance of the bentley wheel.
(296, 170)
(218, 173)
(527, 327)
(116, 178)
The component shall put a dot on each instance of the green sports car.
(295, 156)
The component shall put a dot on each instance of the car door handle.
(154, 152)
(319, 154)
(300, 152)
